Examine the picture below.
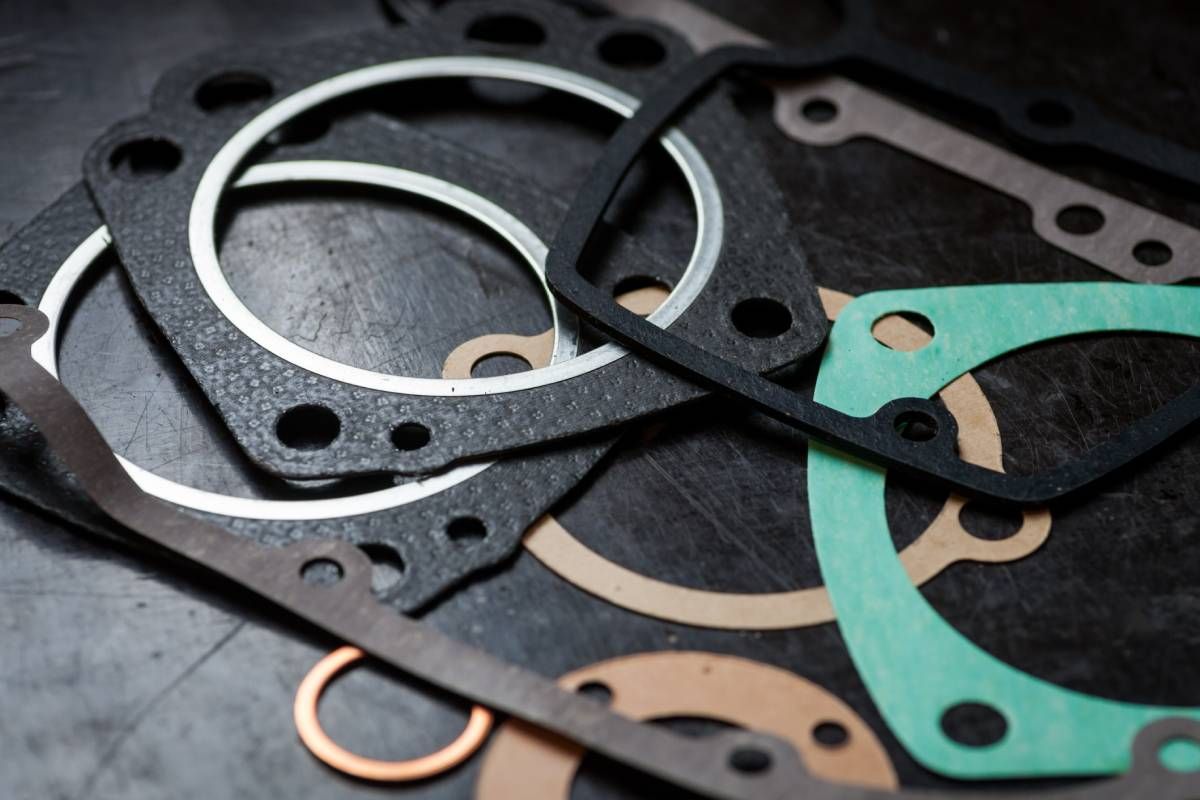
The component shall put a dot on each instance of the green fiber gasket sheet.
(914, 663)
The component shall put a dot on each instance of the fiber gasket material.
(346, 609)
(915, 664)
(252, 387)
(506, 498)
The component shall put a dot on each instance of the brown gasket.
(318, 742)
(523, 763)
(831, 110)
(943, 543)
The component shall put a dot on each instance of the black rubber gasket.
(708, 766)
(877, 438)
(148, 220)
(506, 499)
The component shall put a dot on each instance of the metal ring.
(65, 280)
(308, 726)
(202, 216)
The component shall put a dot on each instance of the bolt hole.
(11, 299)
(321, 572)
(600, 692)
(466, 530)
(301, 130)
(496, 364)
(1081, 220)
(308, 427)
(974, 724)
(989, 521)
(750, 760)
(641, 294)
(510, 29)
(1152, 253)
(387, 567)
(145, 159)
(1180, 754)
(819, 110)
(907, 342)
(232, 89)
(9, 326)
(410, 436)
(1050, 113)
(916, 426)
(830, 734)
(632, 51)
(760, 318)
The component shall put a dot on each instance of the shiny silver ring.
(63, 284)
(202, 240)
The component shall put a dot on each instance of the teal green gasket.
(916, 665)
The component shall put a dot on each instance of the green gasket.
(916, 665)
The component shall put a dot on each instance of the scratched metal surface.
(123, 678)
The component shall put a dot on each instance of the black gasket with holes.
(250, 386)
(494, 507)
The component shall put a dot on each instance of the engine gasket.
(944, 542)
(346, 609)
(842, 109)
(732, 190)
(46, 259)
(879, 437)
(522, 763)
(914, 663)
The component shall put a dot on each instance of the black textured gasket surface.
(708, 766)
(251, 387)
(877, 438)
(506, 498)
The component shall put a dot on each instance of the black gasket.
(708, 766)
(506, 499)
(149, 220)
(877, 438)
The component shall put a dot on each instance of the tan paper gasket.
(943, 543)
(524, 763)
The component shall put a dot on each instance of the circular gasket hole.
(11, 299)
(145, 159)
(321, 572)
(629, 50)
(9, 326)
(974, 724)
(750, 760)
(1153, 253)
(409, 436)
(992, 522)
(597, 690)
(1080, 219)
(303, 129)
(1180, 754)
(819, 110)
(916, 426)
(507, 29)
(308, 427)
(830, 734)
(761, 318)
(387, 566)
(231, 90)
(1050, 113)
(879, 331)
(466, 530)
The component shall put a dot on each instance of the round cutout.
(321, 572)
(830, 734)
(761, 318)
(387, 567)
(974, 724)
(750, 760)
(916, 426)
(410, 436)
(991, 522)
(1152, 253)
(308, 427)
(1080, 219)
(819, 110)
(466, 530)
(145, 159)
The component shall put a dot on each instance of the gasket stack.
(679, 291)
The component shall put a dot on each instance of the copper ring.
(943, 543)
(304, 712)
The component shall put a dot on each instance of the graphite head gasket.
(1111, 233)
(410, 524)
(734, 765)
(888, 435)
(253, 375)
(916, 665)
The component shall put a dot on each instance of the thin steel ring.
(202, 218)
(62, 285)
(308, 726)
